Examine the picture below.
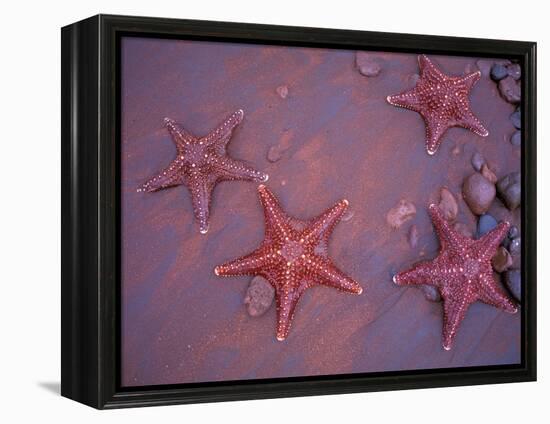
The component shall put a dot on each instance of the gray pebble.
(478, 161)
(516, 119)
(509, 190)
(515, 246)
(431, 293)
(513, 232)
(515, 139)
(498, 72)
(514, 71)
(485, 224)
(259, 296)
(512, 279)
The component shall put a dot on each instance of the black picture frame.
(91, 211)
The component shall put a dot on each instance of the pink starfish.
(442, 101)
(462, 272)
(292, 257)
(201, 163)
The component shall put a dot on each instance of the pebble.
(400, 213)
(512, 279)
(516, 119)
(259, 296)
(431, 293)
(487, 173)
(366, 65)
(412, 236)
(478, 193)
(515, 246)
(485, 224)
(275, 153)
(510, 90)
(502, 260)
(515, 139)
(514, 71)
(282, 91)
(513, 232)
(448, 204)
(348, 214)
(464, 229)
(477, 161)
(498, 72)
(509, 190)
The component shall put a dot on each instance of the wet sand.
(182, 324)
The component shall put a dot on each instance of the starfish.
(442, 101)
(201, 163)
(462, 273)
(292, 257)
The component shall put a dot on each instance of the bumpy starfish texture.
(442, 101)
(462, 273)
(201, 163)
(292, 257)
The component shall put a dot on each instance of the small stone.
(484, 66)
(282, 91)
(515, 246)
(348, 214)
(259, 296)
(513, 232)
(400, 213)
(464, 229)
(515, 139)
(514, 71)
(412, 236)
(274, 153)
(485, 224)
(478, 193)
(516, 119)
(487, 173)
(509, 190)
(431, 293)
(366, 65)
(456, 150)
(512, 279)
(502, 260)
(510, 90)
(498, 72)
(477, 161)
(448, 204)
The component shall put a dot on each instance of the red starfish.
(201, 163)
(462, 273)
(292, 257)
(442, 101)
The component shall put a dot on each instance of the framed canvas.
(254, 211)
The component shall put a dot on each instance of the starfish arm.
(230, 169)
(469, 121)
(469, 80)
(421, 273)
(326, 274)
(492, 294)
(454, 311)
(180, 135)
(320, 228)
(429, 70)
(435, 129)
(407, 99)
(448, 236)
(487, 245)
(255, 263)
(222, 134)
(201, 193)
(287, 299)
(169, 177)
(276, 220)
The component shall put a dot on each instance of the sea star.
(201, 163)
(292, 257)
(442, 101)
(462, 273)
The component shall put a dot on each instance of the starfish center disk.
(292, 250)
(471, 268)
